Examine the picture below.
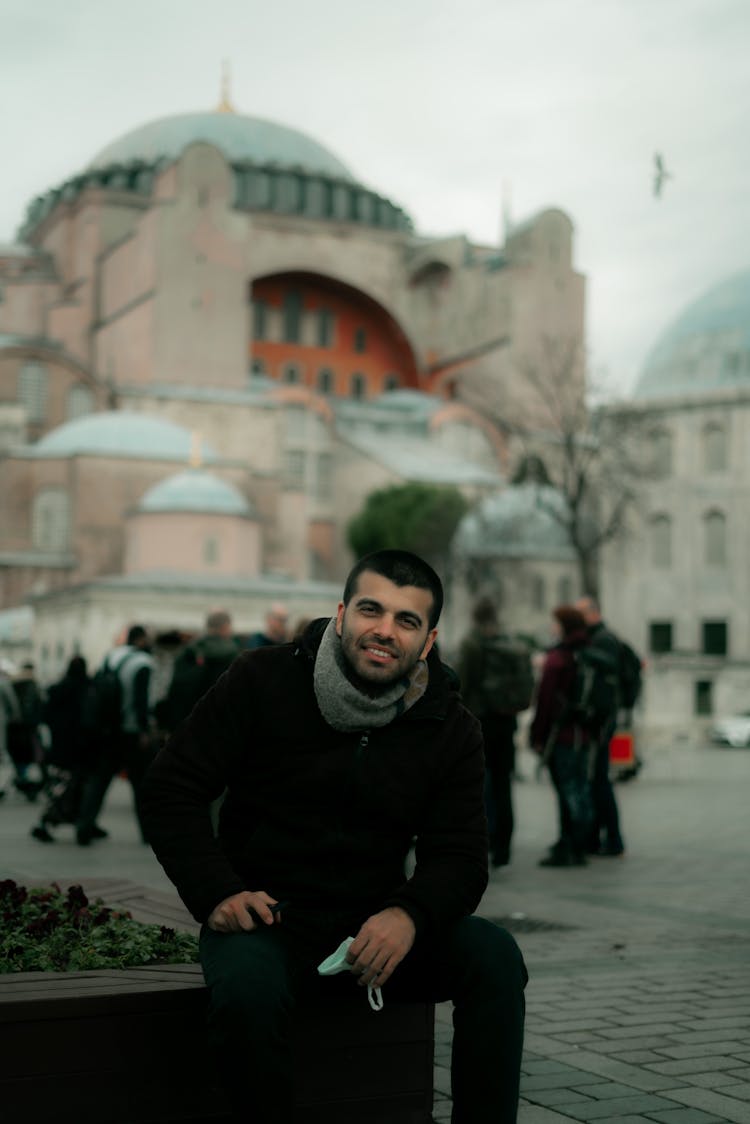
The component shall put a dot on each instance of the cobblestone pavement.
(639, 992)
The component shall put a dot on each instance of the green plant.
(47, 929)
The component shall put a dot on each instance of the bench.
(129, 1046)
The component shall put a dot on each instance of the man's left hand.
(380, 945)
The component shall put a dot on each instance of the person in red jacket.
(335, 752)
(564, 744)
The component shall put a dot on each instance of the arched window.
(32, 390)
(391, 382)
(211, 550)
(257, 366)
(292, 374)
(715, 538)
(714, 448)
(661, 541)
(50, 520)
(80, 402)
(358, 385)
(325, 380)
(661, 453)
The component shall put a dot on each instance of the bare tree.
(588, 452)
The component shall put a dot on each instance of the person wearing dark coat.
(563, 744)
(337, 752)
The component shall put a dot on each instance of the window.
(391, 382)
(703, 702)
(538, 592)
(564, 590)
(292, 314)
(32, 390)
(360, 340)
(358, 385)
(80, 402)
(325, 328)
(50, 520)
(324, 476)
(292, 374)
(661, 453)
(661, 541)
(257, 367)
(294, 468)
(325, 380)
(714, 448)
(660, 636)
(260, 320)
(210, 550)
(715, 638)
(715, 538)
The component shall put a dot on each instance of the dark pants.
(569, 769)
(498, 731)
(605, 826)
(125, 751)
(256, 978)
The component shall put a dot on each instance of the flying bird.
(660, 174)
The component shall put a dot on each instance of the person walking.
(605, 837)
(274, 630)
(129, 745)
(337, 752)
(497, 684)
(197, 667)
(562, 741)
(23, 741)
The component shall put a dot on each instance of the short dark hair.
(571, 619)
(136, 632)
(484, 612)
(402, 568)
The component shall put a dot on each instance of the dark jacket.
(64, 713)
(196, 669)
(550, 722)
(322, 818)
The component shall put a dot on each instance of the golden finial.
(196, 451)
(225, 101)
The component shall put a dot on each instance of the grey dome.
(238, 137)
(518, 522)
(706, 348)
(195, 491)
(121, 434)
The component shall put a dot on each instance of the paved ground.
(639, 998)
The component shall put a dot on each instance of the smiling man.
(337, 752)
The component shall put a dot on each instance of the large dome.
(194, 491)
(706, 348)
(240, 138)
(118, 433)
(523, 521)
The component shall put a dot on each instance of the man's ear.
(431, 638)
(340, 618)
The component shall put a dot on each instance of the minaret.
(225, 100)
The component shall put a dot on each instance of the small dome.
(519, 522)
(706, 348)
(195, 491)
(238, 137)
(117, 433)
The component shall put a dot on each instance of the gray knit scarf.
(343, 706)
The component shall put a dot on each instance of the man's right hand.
(233, 914)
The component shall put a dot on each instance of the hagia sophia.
(216, 342)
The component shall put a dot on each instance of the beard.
(371, 675)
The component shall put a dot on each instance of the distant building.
(678, 586)
(215, 306)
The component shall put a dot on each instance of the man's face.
(588, 610)
(384, 629)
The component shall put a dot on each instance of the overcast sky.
(436, 103)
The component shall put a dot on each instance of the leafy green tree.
(417, 517)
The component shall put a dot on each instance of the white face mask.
(337, 962)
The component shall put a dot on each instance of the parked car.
(733, 731)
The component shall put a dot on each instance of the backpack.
(593, 698)
(102, 709)
(506, 684)
(630, 676)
